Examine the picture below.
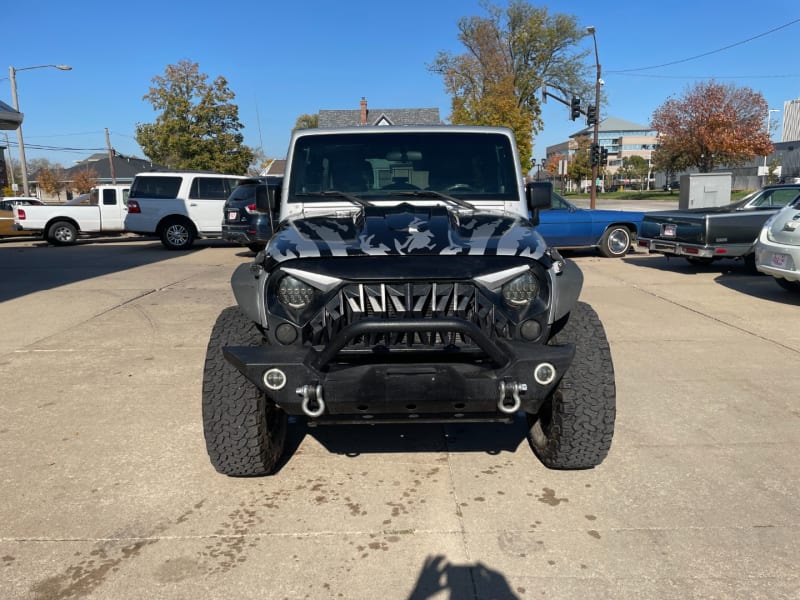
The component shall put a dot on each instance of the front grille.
(408, 300)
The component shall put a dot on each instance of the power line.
(683, 60)
(653, 76)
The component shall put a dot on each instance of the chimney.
(363, 110)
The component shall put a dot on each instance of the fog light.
(275, 379)
(530, 330)
(544, 374)
(286, 333)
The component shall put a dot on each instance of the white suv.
(178, 206)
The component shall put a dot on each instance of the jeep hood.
(406, 230)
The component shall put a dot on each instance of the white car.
(778, 247)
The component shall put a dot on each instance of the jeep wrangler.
(405, 281)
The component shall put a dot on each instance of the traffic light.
(594, 153)
(574, 108)
(604, 156)
(591, 115)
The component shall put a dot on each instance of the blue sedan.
(567, 226)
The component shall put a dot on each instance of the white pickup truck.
(179, 206)
(101, 211)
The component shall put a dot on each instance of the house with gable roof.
(378, 116)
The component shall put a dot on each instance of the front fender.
(566, 287)
(248, 284)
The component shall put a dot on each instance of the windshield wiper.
(435, 194)
(337, 194)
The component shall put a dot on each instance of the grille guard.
(446, 325)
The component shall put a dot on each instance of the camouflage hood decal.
(403, 230)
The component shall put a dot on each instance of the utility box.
(701, 190)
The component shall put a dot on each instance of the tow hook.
(511, 405)
(313, 405)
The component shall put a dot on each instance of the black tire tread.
(574, 430)
(245, 432)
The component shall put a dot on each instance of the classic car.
(566, 226)
(702, 235)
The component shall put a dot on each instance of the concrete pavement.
(107, 491)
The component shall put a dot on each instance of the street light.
(597, 83)
(769, 118)
(12, 75)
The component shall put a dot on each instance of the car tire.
(616, 241)
(791, 286)
(245, 432)
(574, 427)
(177, 234)
(256, 247)
(62, 233)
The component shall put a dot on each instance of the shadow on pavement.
(34, 266)
(460, 581)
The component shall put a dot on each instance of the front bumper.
(330, 385)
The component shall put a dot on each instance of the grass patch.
(648, 195)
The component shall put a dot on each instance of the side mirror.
(538, 195)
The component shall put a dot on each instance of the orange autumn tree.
(713, 124)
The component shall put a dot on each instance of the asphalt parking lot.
(107, 491)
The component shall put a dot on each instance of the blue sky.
(283, 59)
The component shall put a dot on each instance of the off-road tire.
(616, 241)
(62, 233)
(574, 427)
(245, 432)
(256, 247)
(177, 234)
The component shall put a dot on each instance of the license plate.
(232, 215)
(669, 231)
(778, 260)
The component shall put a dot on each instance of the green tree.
(510, 55)
(580, 167)
(635, 167)
(198, 126)
(712, 124)
(306, 121)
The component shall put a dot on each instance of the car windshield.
(463, 165)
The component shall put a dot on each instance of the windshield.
(471, 166)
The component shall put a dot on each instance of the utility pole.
(110, 158)
(595, 137)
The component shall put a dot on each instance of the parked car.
(178, 206)
(778, 247)
(7, 213)
(566, 226)
(703, 235)
(241, 222)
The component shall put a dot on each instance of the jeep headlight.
(294, 293)
(521, 290)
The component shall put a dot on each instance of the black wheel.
(699, 261)
(616, 241)
(245, 432)
(792, 286)
(574, 427)
(256, 247)
(62, 233)
(177, 234)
